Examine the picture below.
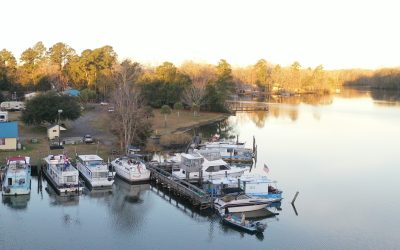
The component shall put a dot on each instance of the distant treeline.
(387, 79)
(199, 86)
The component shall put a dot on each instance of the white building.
(53, 131)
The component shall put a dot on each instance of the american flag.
(266, 169)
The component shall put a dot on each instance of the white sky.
(334, 33)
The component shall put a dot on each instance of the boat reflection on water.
(57, 200)
(127, 207)
(16, 202)
(129, 192)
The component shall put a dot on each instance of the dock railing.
(183, 188)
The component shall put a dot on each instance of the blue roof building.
(72, 92)
(8, 135)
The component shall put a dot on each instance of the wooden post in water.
(295, 197)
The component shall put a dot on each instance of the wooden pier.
(195, 195)
(235, 106)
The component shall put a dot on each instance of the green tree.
(8, 68)
(178, 106)
(44, 108)
(263, 74)
(60, 54)
(165, 110)
(87, 95)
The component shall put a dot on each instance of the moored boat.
(243, 224)
(62, 175)
(236, 203)
(130, 170)
(94, 171)
(17, 178)
(211, 169)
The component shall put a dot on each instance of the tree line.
(196, 85)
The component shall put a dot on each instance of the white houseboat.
(230, 151)
(17, 178)
(130, 170)
(62, 175)
(210, 169)
(94, 171)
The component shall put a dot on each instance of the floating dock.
(235, 106)
(190, 192)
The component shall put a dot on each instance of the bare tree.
(200, 75)
(130, 113)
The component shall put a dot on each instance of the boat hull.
(239, 209)
(140, 179)
(98, 184)
(252, 227)
(16, 191)
(67, 191)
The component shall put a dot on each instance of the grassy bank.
(100, 123)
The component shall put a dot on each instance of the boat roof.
(219, 162)
(192, 156)
(90, 157)
(18, 159)
(60, 159)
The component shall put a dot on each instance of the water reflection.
(126, 206)
(57, 200)
(16, 202)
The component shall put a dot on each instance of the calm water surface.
(342, 156)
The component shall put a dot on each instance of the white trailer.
(3, 116)
(12, 105)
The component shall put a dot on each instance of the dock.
(184, 189)
(235, 106)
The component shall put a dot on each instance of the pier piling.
(295, 197)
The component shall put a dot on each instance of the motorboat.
(130, 169)
(210, 169)
(62, 175)
(94, 171)
(243, 224)
(17, 178)
(237, 203)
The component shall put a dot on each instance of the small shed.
(8, 135)
(53, 131)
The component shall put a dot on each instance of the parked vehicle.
(88, 139)
(12, 106)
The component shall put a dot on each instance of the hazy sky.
(336, 34)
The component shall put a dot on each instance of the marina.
(172, 208)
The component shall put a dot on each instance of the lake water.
(341, 153)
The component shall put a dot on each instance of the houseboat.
(62, 175)
(130, 169)
(210, 169)
(17, 178)
(230, 151)
(252, 184)
(94, 171)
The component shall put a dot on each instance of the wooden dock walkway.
(195, 195)
(246, 106)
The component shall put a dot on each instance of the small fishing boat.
(94, 171)
(243, 224)
(62, 175)
(130, 169)
(17, 178)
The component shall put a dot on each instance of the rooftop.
(90, 157)
(8, 129)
